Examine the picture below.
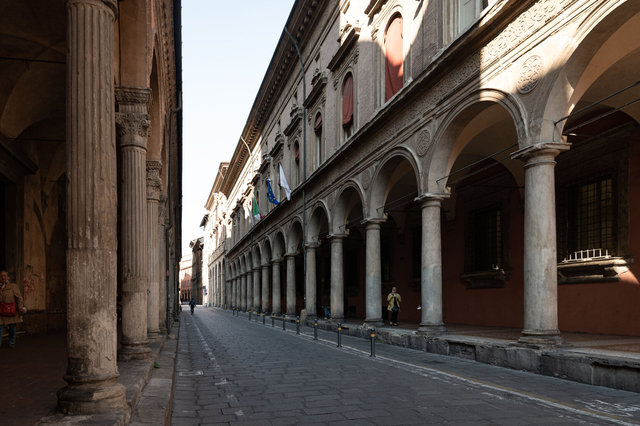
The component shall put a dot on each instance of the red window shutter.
(317, 126)
(347, 101)
(394, 57)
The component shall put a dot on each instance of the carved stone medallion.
(423, 142)
(530, 74)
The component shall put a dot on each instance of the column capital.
(338, 236)
(540, 153)
(154, 183)
(276, 260)
(312, 245)
(112, 5)
(373, 221)
(432, 198)
(128, 97)
(290, 255)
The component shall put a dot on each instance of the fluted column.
(249, 288)
(256, 289)
(265, 288)
(291, 285)
(310, 282)
(540, 260)
(431, 265)
(276, 298)
(162, 266)
(337, 277)
(153, 249)
(373, 277)
(133, 131)
(243, 291)
(92, 371)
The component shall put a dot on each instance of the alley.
(233, 370)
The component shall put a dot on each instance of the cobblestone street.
(232, 370)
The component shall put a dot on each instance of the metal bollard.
(373, 342)
(284, 323)
(297, 325)
(264, 319)
(339, 335)
(315, 329)
(249, 315)
(257, 315)
(273, 319)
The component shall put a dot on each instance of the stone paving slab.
(306, 381)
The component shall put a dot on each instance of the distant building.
(480, 156)
(197, 287)
(186, 264)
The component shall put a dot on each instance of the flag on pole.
(270, 195)
(284, 184)
(256, 212)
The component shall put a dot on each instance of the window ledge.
(495, 278)
(593, 271)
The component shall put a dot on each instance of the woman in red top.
(10, 294)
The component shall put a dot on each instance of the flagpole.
(304, 154)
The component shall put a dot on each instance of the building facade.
(90, 146)
(480, 156)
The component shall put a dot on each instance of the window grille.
(485, 250)
(592, 219)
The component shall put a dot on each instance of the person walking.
(11, 307)
(192, 305)
(393, 305)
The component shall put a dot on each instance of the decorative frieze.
(531, 72)
(154, 183)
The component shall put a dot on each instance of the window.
(394, 57)
(296, 164)
(347, 107)
(485, 245)
(459, 15)
(317, 130)
(592, 216)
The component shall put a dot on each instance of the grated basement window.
(485, 248)
(592, 216)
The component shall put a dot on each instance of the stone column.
(265, 288)
(243, 291)
(257, 289)
(291, 284)
(310, 282)
(276, 298)
(162, 266)
(92, 199)
(540, 260)
(431, 269)
(133, 130)
(373, 277)
(249, 288)
(153, 249)
(337, 277)
(236, 292)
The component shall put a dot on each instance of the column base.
(337, 320)
(94, 398)
(154, 335)
(432, 329)
(133, 352)
(541, 338)
(373, 322)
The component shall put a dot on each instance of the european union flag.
(270, 196)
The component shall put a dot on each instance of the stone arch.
(350, 194)
(256, 255)
(156, 139)
(395, 168)
(266, 251)
(279, 244)
(294, 235)
(477, 113)
(319, 220)
(605, 44)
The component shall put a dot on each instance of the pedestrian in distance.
(11, 307)
(393, 305)
(192, 305)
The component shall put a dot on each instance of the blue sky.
(226, 48)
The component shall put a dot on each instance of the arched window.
(317, 130)
(296, 164)
(347, 107)
(394, 57)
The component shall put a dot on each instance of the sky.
(226, 48)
